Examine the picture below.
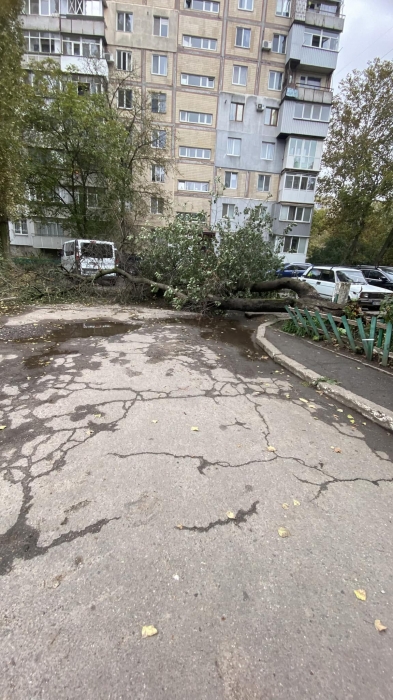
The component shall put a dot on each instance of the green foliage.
(181, 255)
(386, 309)
(289, 326)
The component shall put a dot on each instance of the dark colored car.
(292, 270)
(377, 276)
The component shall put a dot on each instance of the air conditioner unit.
(109, 57)
(260, 107)
(267, 45)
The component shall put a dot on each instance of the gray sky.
(368, 33)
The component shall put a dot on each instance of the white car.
(324, 278)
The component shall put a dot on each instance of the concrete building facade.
(242, 89)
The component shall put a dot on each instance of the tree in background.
(11, 115)
(358, 162)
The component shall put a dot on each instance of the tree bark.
(5, 238)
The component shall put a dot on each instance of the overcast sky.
(368, 33)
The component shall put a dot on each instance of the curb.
(377, 414)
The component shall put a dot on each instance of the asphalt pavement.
(158, 471)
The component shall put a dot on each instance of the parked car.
(377, 276)
(292, 270)
(86, 257)
(324, 278)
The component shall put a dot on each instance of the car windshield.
(351, 276)
(96, 250)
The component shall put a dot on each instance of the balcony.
(306, 93)
(320, 14)
(288, 124)
(309, 57)
(304, 192)
(327, 20)
(82, 8)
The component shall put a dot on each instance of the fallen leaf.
(285, 506)
(296, 503)
(360, 594)
(271, 448)
(287, 396)
(304, 400)
(352, 421)
(312, 405)
(179, 527)
(154, 421)
(379, 626)
(231, 515)
(3, 427)
(349, 416)
(176, 577)
(283, 532)
(337, 449)
(97, 415)
(148, 631)
(364, 423)
(340, 410)
(195, 429)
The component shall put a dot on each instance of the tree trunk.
(5, 238)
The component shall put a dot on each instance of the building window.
(202, 81)
(294, 244)
(275, 80)
(318, 113)
(234, 147)
(246, 5)
(310, 80)
(157, 173)
(196, 117)
(283, 8)
(124, 60)
(49, 228)
(160, 26)
(230, 180)
(124, 99)
(321, 39)
(243, 37)
(303, 152)
(193, 186)
(267, 150)
(323, 7)
(199, 42)
(156, 205)
(42, 42)
(20, 227)
(298, 214)
(202, 5)
(189, 152)
(239, 76)
(41, 7)
(82, 46)
(236, 112)
(228, 210)
(279, 43)
(271, 116)
(124, 21)
(158, 102)
(159, 65)
(263, 183)
(159, 138)
(300, 182)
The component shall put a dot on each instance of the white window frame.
(268, 149)
(301, 215)
(162, 64)
(20, 227)
(324, 36)
(271, 116)
(35, 38)
(236, 109)
(202, 6)
(230, 180)
(265, 179)
(282, 43)
(247, 5)
(159, 138)
(53, 7)
(195, 152)
(305, 78)
(229, 209)
(125, 22)
(304, 150)
(163, 26)
(49, 228)
(124, 60)
(283, 8)
(300, 180)
(239, 71)
(82, 46)
(309, 111)
(200, 81)
(199, 42)
(157, 173)
(156, 205)
(124, 98)
(243, 37)
(203, 117)
(160, 97)
(286, 245)
(234, 145)
(275, 80)
(193, 186)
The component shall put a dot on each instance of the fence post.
(335, 329)
(322, 324)
(302, 320)
(349, 333)
(292, 316)
(386, 347)
(311, 322)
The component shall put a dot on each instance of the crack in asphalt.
(240, 517)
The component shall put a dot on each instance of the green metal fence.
(373, 338)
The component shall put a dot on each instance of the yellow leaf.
(231, 515)
(285, 506)
(304, 400)
(283, 532)
(287, 396)
(352, 421)
(149, 631)
(349, 416)
(195, 429)
(179, 527)
(360, 594)
(97, 415)
(296, 503)
(154, 421)
(271, 448)
(3, 427)
(379, 626)
(340, 410)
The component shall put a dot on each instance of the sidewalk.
(361, 379)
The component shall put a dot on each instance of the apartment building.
(241, 90)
